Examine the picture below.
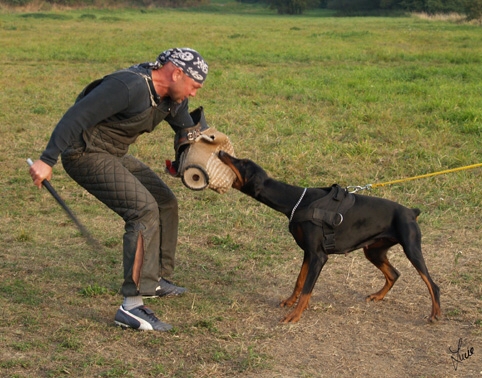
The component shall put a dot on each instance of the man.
(93, 138)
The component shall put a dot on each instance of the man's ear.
(177, 74)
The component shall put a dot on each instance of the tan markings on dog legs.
(136, 269)
(436, 311)
(295, 315)
(391, 276)
(298, 286)
(377, 255)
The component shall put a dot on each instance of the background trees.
(471, 8)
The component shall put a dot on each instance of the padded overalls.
(99, 163)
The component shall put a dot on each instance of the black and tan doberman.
(326, 221)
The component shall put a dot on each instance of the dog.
(326, 221)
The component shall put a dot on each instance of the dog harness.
(327, 212)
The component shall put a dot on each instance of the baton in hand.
(69, 212)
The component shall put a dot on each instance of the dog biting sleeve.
(200, 166)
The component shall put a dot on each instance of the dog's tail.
(416, 212)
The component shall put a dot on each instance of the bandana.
(189, 60)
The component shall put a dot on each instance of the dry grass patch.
(312, 100)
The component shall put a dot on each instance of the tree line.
(471, 8)
(103, 3)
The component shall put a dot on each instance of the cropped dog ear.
(254, 180)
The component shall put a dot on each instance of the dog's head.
(250, 177)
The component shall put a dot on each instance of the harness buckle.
(357, 188)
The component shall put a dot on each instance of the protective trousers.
(98, 162)
(148, 207)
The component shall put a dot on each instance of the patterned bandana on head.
(189, 60)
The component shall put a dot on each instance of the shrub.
(292, 6)
(16, 3)
(473, 9)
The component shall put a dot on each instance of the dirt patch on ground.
(343, 336)
(228, 324)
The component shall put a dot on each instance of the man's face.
(183, 87)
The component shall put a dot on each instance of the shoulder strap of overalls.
(152, 92)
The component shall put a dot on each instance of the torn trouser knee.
(168, 212)
(141, 262)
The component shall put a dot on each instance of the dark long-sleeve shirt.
(119, 96)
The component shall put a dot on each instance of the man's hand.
(40, 171)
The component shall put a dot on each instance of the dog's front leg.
(302, 305)
(313, 266)
(300, 282)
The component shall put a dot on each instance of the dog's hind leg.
(434, 294)
(413, 250)
(377, 255)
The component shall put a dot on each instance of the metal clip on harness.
(357, 188)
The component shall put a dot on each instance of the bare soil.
(228, 325)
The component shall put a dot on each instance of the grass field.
(313, 99)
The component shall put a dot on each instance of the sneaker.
(140, 318)
(167, 289)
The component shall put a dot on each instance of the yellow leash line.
(427, 175)
(354, 189)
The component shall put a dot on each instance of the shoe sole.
(122, 325)
(125, 326)
(163, 296)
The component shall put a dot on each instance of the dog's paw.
(292, 317)
(435, 316)
(289, 302)
(374, 297)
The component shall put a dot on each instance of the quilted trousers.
(148, 207)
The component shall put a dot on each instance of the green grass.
(313, 99)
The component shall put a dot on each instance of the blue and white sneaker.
(167, 289)
(141, 318)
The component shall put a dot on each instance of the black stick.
(69, 212)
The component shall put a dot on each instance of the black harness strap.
(327, 212)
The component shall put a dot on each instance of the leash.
(354, 189)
